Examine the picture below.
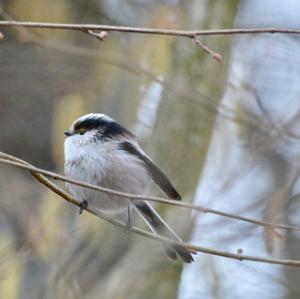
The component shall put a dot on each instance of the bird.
(100, 151)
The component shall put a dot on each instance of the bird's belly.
(117, 177)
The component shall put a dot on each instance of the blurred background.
(227, 134)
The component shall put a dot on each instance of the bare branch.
(169, 32)
(191, 247)
(13, 161)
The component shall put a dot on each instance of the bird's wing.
(157, 175)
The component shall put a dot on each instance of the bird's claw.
(128, 226)
(83, 205)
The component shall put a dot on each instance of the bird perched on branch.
(100, 151)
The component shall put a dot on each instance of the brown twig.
(13, 161)
(206, 49)
(193, 248)
(170, 32)
(91, 28)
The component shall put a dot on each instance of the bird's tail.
(158, 225)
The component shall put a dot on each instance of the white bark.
(246, 168)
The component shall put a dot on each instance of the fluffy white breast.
(104, 164)
(85, 158)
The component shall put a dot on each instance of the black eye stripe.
(89, 124)
(107, 129)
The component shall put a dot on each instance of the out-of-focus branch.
(192, 248)
(13, 161)
(169, 32)
(195, 97)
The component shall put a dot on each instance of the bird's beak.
(67, 133)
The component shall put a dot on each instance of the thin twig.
(170, 32)
(13, 161)
(193, 248)
(206, 49)
(99, 35)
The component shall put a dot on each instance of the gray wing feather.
(157, 175)
(158, 225)
(148, 213)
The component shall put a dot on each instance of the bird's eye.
(82, 131)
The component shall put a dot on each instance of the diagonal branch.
(13, 161)
(191, 247)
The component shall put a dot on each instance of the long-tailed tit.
(100, 151)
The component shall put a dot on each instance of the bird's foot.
(83, 205)
(128, 226)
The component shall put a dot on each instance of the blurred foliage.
(48, 78)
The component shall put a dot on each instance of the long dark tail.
(158, 225)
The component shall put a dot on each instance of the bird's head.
(95, 127)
